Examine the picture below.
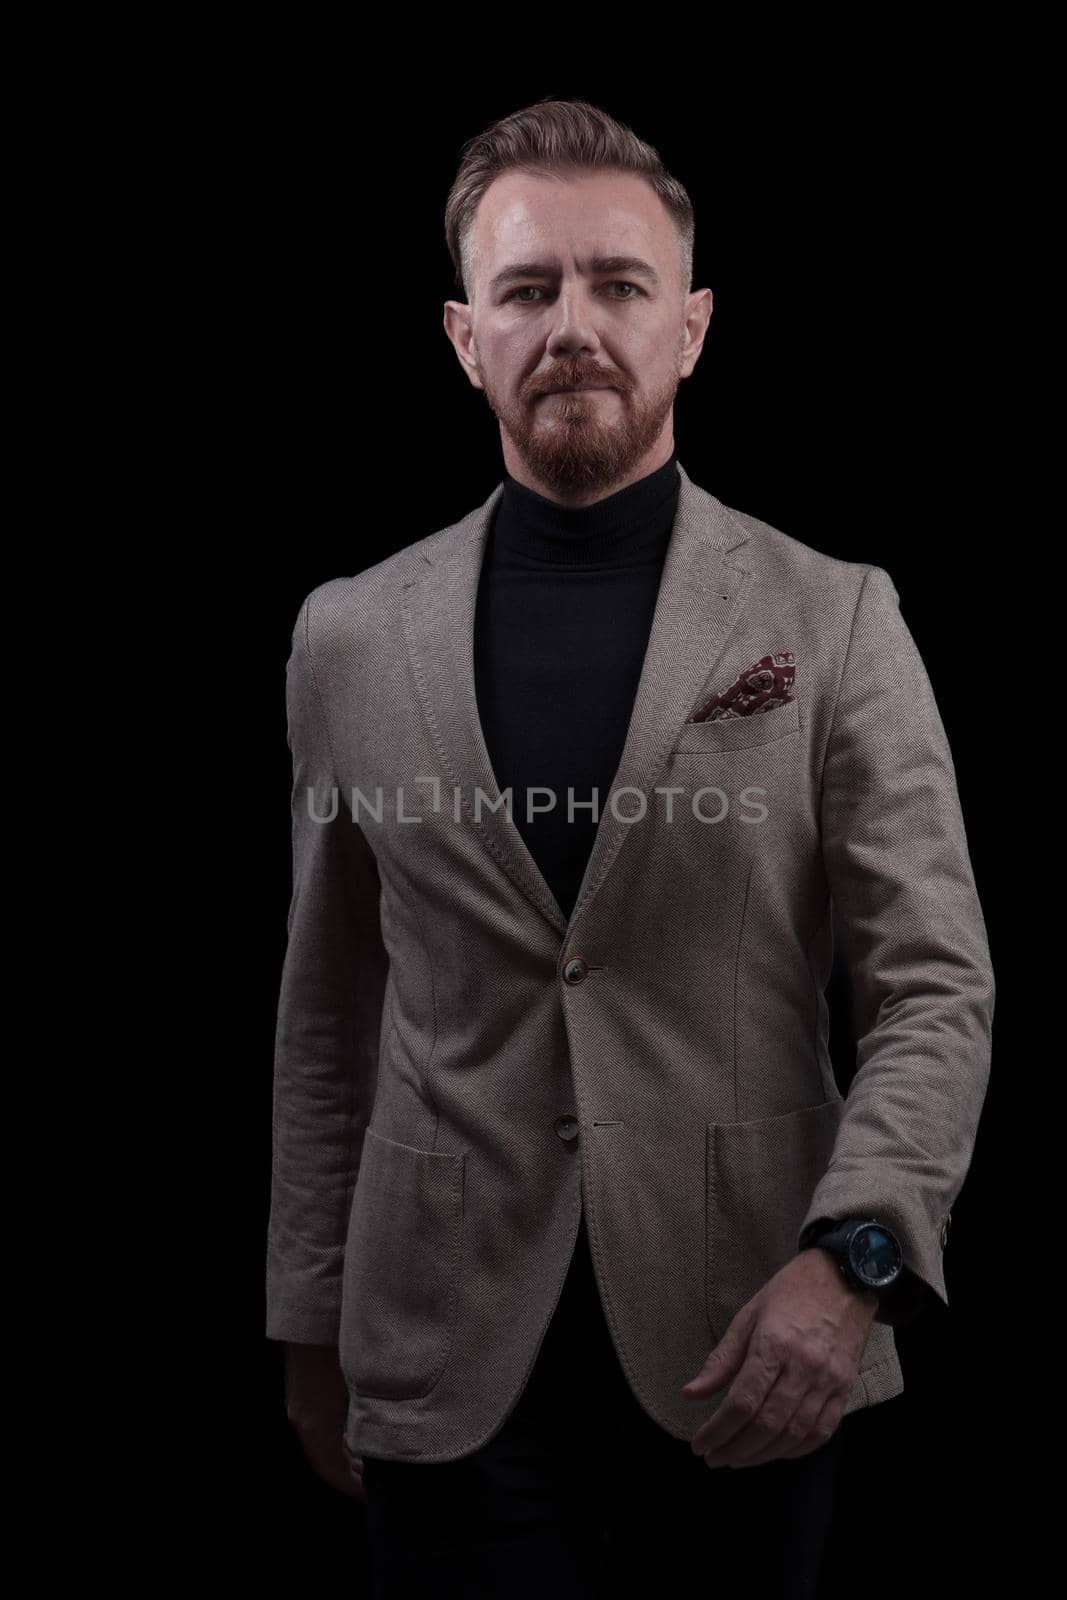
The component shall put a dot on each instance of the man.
(562, 1178)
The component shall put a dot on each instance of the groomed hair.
(557, 136)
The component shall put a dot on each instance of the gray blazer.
(460, 1068)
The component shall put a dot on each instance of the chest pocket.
(739, 733)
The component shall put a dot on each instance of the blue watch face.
(874, 1255)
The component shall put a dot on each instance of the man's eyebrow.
(599, 264)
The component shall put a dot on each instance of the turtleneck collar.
(615, 531)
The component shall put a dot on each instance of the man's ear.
(459, 326)
(698, 315)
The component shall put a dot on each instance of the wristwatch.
(867, 1251)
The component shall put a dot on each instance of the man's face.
(576, 287)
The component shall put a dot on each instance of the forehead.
(602, 213)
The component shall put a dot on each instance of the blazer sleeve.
(914, 942)
(328, 1024)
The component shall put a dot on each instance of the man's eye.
(618, 283)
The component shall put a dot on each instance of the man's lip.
(579, 388)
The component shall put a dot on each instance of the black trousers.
(581, 1494)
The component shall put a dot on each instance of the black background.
(845, 394)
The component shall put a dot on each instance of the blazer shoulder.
(352, 612)
(779, 554)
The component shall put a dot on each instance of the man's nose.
(573, 325)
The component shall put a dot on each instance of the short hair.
(564, 137)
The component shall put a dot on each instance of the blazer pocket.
(737, 733)
(398, 1308)
(759, 1180)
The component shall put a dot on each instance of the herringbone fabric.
(453, 1087)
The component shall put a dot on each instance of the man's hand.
(795, 1348)
(316, 1403)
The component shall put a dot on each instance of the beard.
(581, 444)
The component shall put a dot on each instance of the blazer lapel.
(701, 595)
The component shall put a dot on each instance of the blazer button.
(567, 1127)
(575, 970)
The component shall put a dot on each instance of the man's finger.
(724, 1360)
(820, 1431)
(742, 1401)
(782, 1411)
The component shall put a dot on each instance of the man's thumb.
(720, 1365)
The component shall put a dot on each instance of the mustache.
(590, 380)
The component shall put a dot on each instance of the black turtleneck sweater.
(565, 603)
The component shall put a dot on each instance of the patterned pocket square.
(767, 683)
